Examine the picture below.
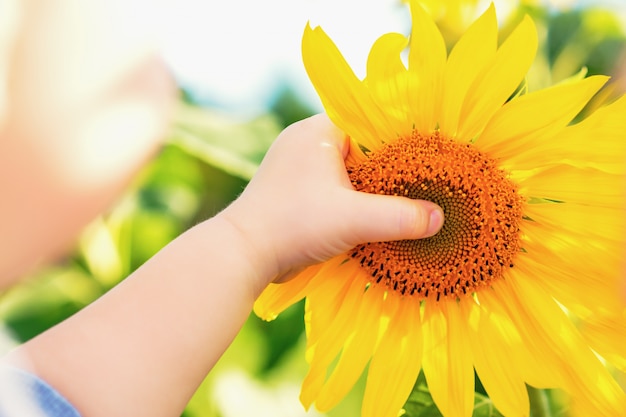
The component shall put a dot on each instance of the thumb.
(385, 218)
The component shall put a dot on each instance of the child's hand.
(300, 208)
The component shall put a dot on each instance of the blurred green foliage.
(205, 164)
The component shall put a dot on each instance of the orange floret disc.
(480, 237)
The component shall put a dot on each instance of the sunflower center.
(480, 236)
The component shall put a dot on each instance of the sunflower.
(531, 249)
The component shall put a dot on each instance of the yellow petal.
(355, 156)
(546, 327)
(492, 341)
(357, 350)
(566, 233)
(328, 297)
(606, 334)
(467, 60)
(447, 362)
(322, 353)
(387, 81)
(500, 79)
(312, 384)
(580, 285)
(522, 361)
(580, 221)
(396, 363)
(427, 60)
(573, 185)
(596, 142)
(277, 297)
(329, 342)
(345, 98)
(528, 122)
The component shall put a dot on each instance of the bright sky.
(234, 53)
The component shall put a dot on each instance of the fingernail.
(435, 222)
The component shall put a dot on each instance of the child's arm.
(144, 347)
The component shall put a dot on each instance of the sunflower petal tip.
(416, 8)
(532, 28)
(306, 403)
(263, 313)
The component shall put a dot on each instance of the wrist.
(251, 245)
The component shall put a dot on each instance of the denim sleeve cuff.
(23, 394)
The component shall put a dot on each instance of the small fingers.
(379, 218)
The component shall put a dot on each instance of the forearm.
(144, 347)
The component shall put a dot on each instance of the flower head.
(534, 230)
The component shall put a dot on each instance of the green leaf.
(420, 403)
(483, 407)
(234, 146)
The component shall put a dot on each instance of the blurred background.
(241, 81)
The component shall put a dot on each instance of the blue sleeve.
(25, 395)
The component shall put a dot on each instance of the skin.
(72, 140)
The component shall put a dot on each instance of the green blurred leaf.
(420, 403)
(281, 334)
(483, 407)
(547, 403)
(46, 299)
(288, 106)
(234, 146)
(150, 231)
(562, 29)
(590, 37)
